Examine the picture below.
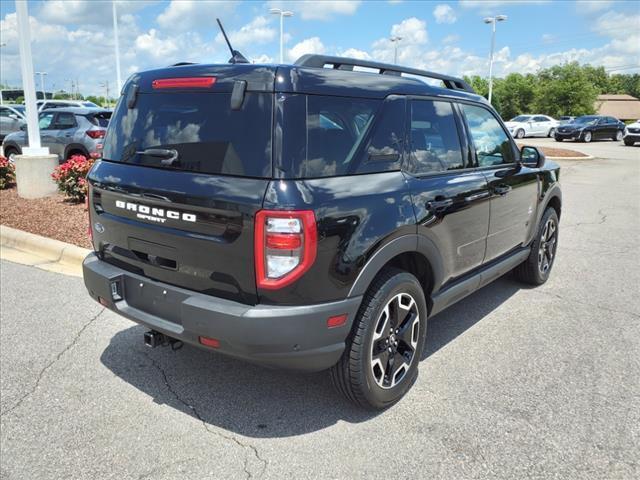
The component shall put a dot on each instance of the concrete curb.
(50, 251)
(588, 157)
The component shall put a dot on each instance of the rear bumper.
(293, 337)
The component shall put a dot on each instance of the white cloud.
(309, 45)
(413, 34)
(151, 44)
(86, 12)
(484, 4)
(184, 15)
(256, 32)
(355, 53)
(453, 38)
(548, 38)
(261, 59)
(318, 9)
(591, 6)
(617, 25)
(443, 13)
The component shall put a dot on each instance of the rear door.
(187, 217)
(451, 199)
(65, 125)
(513, 188)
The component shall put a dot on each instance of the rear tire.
(618, 136)
(380, 361)
(552, 132)
(536, 268)
(520, 133)
(11, 152)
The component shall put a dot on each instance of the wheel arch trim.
(412, 243)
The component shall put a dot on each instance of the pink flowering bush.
(71, 177)
(7, 173)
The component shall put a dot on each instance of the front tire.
(536, 268)
(628, 142)
(587, 137)
(380, 361)
(558, 139)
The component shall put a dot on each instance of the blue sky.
(73, 39)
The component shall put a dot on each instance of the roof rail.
(343, 63)
(180, 64)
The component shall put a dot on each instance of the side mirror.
(532, 157)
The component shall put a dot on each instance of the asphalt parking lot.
(516, 383)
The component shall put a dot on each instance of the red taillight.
(89, 229)
(337, 321)
(96, 133)
(285, 246)
(185, 82)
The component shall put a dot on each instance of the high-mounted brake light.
(285, 246)
(184, 82)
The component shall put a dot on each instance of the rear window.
(100, 119)
(207, 135)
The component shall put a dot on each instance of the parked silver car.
(12, 117)
(49, 104)
(66, 131)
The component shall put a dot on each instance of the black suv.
(311, 218)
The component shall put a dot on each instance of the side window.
(540, 119)
(384, 147)
(435, 145)
(490, 140)
(45, 120)
(64, 121)
(335, 128)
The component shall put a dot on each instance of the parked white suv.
(532, 126)
(49, 104)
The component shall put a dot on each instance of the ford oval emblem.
(99, 227)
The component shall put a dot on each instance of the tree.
(598, 77)
(479, 84)
(514, 95)
(565, 90)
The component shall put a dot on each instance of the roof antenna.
(236, 56)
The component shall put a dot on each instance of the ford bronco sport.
(311, 216)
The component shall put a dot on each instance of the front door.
(47, 131)
(513, 188)
(64, 125)
(450, 198)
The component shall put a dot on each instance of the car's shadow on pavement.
(258, 402)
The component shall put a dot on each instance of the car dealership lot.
(516, 383)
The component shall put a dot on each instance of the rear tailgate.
(186, 221)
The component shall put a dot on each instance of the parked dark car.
(66, 132)
(311, 218)
(591, 127)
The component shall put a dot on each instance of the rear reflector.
(337, 321)
(186, 82)
(209, 342)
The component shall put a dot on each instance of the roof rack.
(343, 63)
(180, 64)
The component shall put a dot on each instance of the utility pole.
(493, 21)
(106, 86)
(117, 46)
(282, 13)
(44, 93)
(395, 40)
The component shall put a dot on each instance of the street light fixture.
(493, 21)
(42, 74)
(282, 13)
(395, 40)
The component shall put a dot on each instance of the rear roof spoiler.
(343, 63)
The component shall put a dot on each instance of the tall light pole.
(1, 100)
(282, 13)
(395, 41)
(493, 21)
(28, 82)
(117, 46)
(42, 74)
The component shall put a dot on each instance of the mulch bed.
(52, 217)
(558, 152)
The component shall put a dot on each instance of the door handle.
(476, 196)
(502, 189)
(439, 205)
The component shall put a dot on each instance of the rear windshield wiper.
(169, 156)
